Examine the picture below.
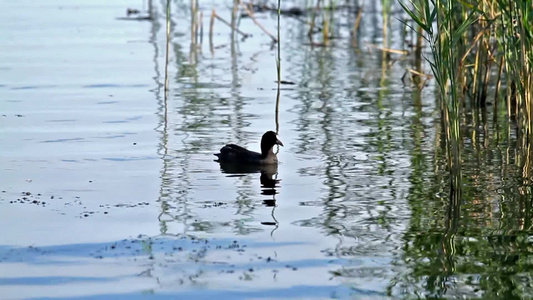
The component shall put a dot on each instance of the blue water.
(108, 188)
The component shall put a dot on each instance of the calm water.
(109, 191)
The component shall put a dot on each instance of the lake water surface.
(108, 189)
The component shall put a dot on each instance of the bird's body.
(232, 153)
(236, 153)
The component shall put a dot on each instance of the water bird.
(232, 153)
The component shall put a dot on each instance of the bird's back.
(238, 154)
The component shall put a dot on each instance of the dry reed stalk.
(420, 84)
(211, 25)
(325, 31)
(488, 67)
(194, 32)
(419, 73)
(214, 15)
(194, 26)
(356, 26)
(313, 17)
(201, 27)
(385, 12)
(475, 80)
(251, 15)
(402, 52)
(497, 90)
(234, 24)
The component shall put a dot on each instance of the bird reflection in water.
(268, 179)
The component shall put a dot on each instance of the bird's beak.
(279, 142)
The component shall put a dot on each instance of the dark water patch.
(111, 136)
(114, 122)
(123, 159)
(211, 85)
(47, 280)
(61, 121)
(59, 203)
(16, 116)
(64, 140)
(134, 247)
(134, 118)
(110, 85)
(29, 198)
(34, 87)
(100, 85)
(131, 205)
(294, 292)
(120, 135)
(107, 102)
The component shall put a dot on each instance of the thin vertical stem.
(211, 25)
(167, 54)
(167, 49)
(278, 66)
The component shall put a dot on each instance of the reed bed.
(475, 46)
